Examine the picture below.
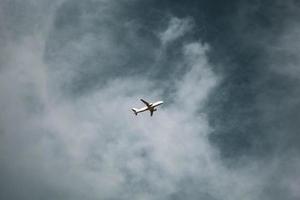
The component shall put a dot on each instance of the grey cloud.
(57, 145)
(115, 44)
(177, 28)
(262, 128)
(90, 146)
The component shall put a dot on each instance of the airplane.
(149, 106)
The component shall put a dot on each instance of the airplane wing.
(145, 102)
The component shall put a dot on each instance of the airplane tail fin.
(134, 110)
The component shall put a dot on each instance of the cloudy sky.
(228, 72)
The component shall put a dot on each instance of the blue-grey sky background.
(228, 72)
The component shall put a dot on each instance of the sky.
(228, 73)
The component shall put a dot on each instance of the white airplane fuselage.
(149, 106)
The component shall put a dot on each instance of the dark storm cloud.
(249, 77)
(228, 71)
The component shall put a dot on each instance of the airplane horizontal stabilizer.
(134, 110)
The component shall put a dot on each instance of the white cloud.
(93, 147)
(176, 29)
